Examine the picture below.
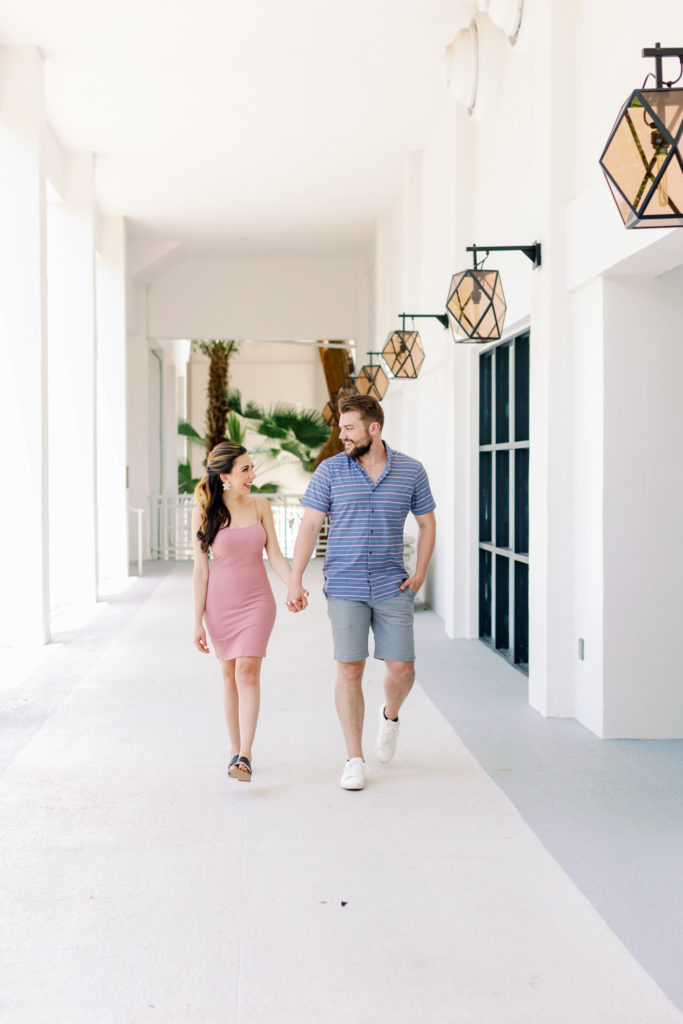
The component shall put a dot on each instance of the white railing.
(169, 524)
(139, 528)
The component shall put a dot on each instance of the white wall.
(586, 540)
(261, 299)
(643, 489)
(112, 505)
(24, 605)
(71, 391)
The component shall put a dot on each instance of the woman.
(233, 596)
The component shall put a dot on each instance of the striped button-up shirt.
(364, 558)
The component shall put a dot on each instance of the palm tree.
(297, 432)
(300, 432)
(217, 409)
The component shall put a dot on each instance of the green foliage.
(186, 484)
(266, 489)
(254, 411)
(269, 428)
(186, 429)
(234, 430)
(307, 425)
(299, 433)
(234, 398)
(213, 346)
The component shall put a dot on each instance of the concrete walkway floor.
(140, 883)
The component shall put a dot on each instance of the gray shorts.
(391, 621)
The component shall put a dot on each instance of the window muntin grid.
(504, 498)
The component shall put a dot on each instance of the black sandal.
(241, 769)
(233, 760)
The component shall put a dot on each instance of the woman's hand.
(297, 598)
(200, 641)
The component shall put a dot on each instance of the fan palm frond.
(186, 429)
(234, 399)
(186, 482)
(253, 411)
(269, 428)
(307, 425)
(234, 431)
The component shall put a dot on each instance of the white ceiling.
(243, 127)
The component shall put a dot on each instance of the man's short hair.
(368, 407)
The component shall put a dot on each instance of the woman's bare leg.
(248, 682)
(231, 705)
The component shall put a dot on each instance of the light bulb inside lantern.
(661, 152)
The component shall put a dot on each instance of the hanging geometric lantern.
(349, 388)
(476, 305)
(403, 353)
(372, 380)
(331, 414)
(642, 160)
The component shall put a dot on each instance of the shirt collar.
(388, 451)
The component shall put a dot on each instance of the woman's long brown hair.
(209, 491)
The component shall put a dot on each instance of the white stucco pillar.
(112, 507)
(71, 386)
(462, 609)
(24, 603)
(551, 646)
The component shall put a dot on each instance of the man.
(368, 491)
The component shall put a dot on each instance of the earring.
(227, 485)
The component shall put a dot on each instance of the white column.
(462, 614)
(24, 605)
(551, 647)
(643, 496)
(71, 378)
(112, 508)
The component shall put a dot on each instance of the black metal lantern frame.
(476, 302)
(642, 160)
(331, 411)
(350, 388)
(372, 380)
(403, 353)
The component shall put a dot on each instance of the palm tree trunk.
(217, 409)
(336, 367)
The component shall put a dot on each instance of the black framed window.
(504, 498)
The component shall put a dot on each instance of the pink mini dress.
(240, 608)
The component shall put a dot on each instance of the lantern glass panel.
(403, 353)
(330, 415)
(642, 162)
(476, 305)
(372, 380)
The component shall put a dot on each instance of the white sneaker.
(387, 736)
(353, 776)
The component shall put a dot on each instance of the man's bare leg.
(348, 698)
(400, 676)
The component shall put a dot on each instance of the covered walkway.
(141, 883)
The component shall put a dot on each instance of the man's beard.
(359, 450)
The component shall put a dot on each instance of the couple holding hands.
(367, 491)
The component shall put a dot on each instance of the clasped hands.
(297, 599)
